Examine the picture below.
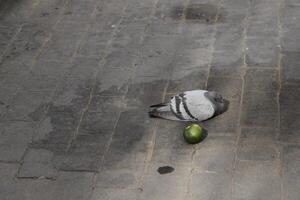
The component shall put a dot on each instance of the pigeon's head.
(219, 102)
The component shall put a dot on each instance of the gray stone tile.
(130, 141)
(290, 67)
(189, 79)
(121, 178)
(84, 68)
(14, 139)
(102, 115)
(69, 185)
(7, 182)
(229, 88)
(142, 94)
(73, 186)
(259, 109)
(114, 194)
(290, 37)
(170, 147)
(291, 172)
(38, 163)
(258, 144)
(166, 186)
(261, 80)
(228, 36)
(256, 180)
(210, 186)
(85, 153)
(216, 155)
(28, 106)
(53, 69)
(289, 106)
(264, 56)
(33, 189)
(227, 63)
(113, 82)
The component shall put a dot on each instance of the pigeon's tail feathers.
(162, 110)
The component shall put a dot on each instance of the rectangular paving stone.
(6, 34)
(259, 109)
(228, 64)
(258, 144)
(215, 155)
(289, 39)
(102, 115)
(228, 36)
(85, 152)
(83, 68)
(59, 48)
(28, 106)
(290, 162)
(114, 194)
(130, 141)
(129, 37)
(7, 182)
(264, 56)
(188, 58)
(38, 163)
(14, 139)
(261, 80)
(213, 186)
(32, 189)
(290, 67)
(37, 83)
(141, 94)
(78, 11)
(121, 178)
(289, 125)
(256, 180)
(164, 27)
(73, 185)
(188, 79)
(170, 147)
(49, 68)
(69, 185)
(113, 82)
(229, 88)
(124, 161)
(165, 186)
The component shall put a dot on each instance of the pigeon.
(194, 105)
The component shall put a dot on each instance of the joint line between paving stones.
(279, 18)
(244, 48)
(212, 46)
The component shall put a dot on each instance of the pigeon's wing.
(192, 106)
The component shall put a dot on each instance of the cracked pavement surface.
(77, 77)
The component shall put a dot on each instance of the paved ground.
(77, 78)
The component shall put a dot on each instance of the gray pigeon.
(195, 105)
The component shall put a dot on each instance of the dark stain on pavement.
(165, 170)
(203, 13)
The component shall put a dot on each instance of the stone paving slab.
(77, 77)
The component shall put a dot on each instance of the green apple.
(193, 133)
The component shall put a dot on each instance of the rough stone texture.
(77, 77)
(256, 180)
(258, 144)
(38, 163)
(291, 172)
